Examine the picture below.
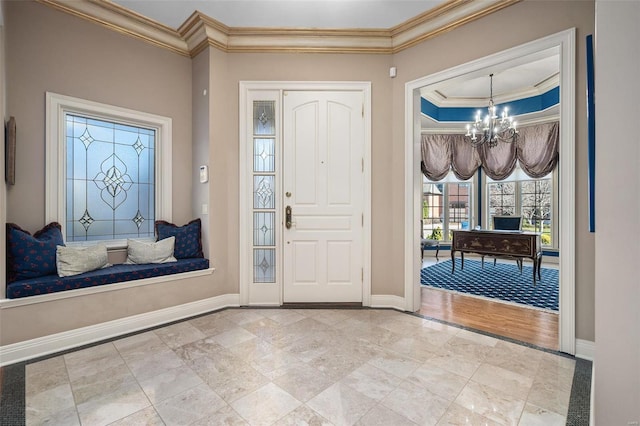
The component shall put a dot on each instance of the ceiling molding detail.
(445, 18)
(437, 98)
(200, 31)
(431, 129)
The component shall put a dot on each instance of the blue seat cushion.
(109, 275)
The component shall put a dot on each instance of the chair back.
(507, 223)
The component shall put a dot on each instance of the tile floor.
(295, 367)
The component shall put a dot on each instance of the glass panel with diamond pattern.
(264, 155)
(264, 194)
(264, 269)
(110, 180)
(263, 229)
(264, 122)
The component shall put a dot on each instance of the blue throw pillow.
(188, 238)
(31, 256)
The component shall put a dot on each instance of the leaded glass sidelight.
(109, 179)
(264, 268)
(264, 155)
(264, 191)
(263, 229)
(264, 118)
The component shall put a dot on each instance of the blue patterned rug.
(503, 282)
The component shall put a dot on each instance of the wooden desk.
(515, 244)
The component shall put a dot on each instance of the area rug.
(502, 281)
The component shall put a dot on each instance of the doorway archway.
(565, 43)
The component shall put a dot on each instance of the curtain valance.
(536, 150)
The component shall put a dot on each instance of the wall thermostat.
(204, 174)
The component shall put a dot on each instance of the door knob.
(287, 217)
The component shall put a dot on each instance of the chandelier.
(492, 128)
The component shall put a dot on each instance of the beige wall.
(431, 56)
(3, 186)
(200, 144)
(301, 67)
(617, 360)
(512, 26)
(48, 50)
(51, 51)
(43, 319)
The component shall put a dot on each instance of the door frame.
(272, 294)
(565, 43)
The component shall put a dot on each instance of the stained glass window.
(264, 118)
(263, 229)
(110, 180)
(264, 194)
(264, 270)
(264, 155)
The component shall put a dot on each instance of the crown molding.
(460, 129)
(441, 101)
(447, 17)
(200, 31)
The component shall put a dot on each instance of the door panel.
(323, 177)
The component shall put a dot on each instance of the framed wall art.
(10, 152)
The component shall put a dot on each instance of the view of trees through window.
(438, 221)
(531, 199)
(447, 206)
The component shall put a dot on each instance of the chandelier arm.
(492, 129)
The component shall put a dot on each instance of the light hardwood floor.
(527, 325)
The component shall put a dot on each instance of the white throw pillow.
(140, 252)
(77, 260)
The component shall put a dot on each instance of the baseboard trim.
(41, 346)
(585, 349)
(387, 301)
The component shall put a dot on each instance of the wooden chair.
(427, 242)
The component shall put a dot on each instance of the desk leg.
(461, 260)
(453, 261)
(535, 268)
(539, 267)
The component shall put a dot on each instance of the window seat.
(109, 275)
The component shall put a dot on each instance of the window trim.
(55, 155)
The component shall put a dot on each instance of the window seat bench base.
(109, 275)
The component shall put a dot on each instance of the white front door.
(323, 186)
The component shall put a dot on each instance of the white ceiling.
(528, 76)
(537, 76)
(286, 13)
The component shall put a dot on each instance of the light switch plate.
(204, 174)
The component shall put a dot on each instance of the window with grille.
(446, 206)
(109, 170)
(533, 199)
(109, 178)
